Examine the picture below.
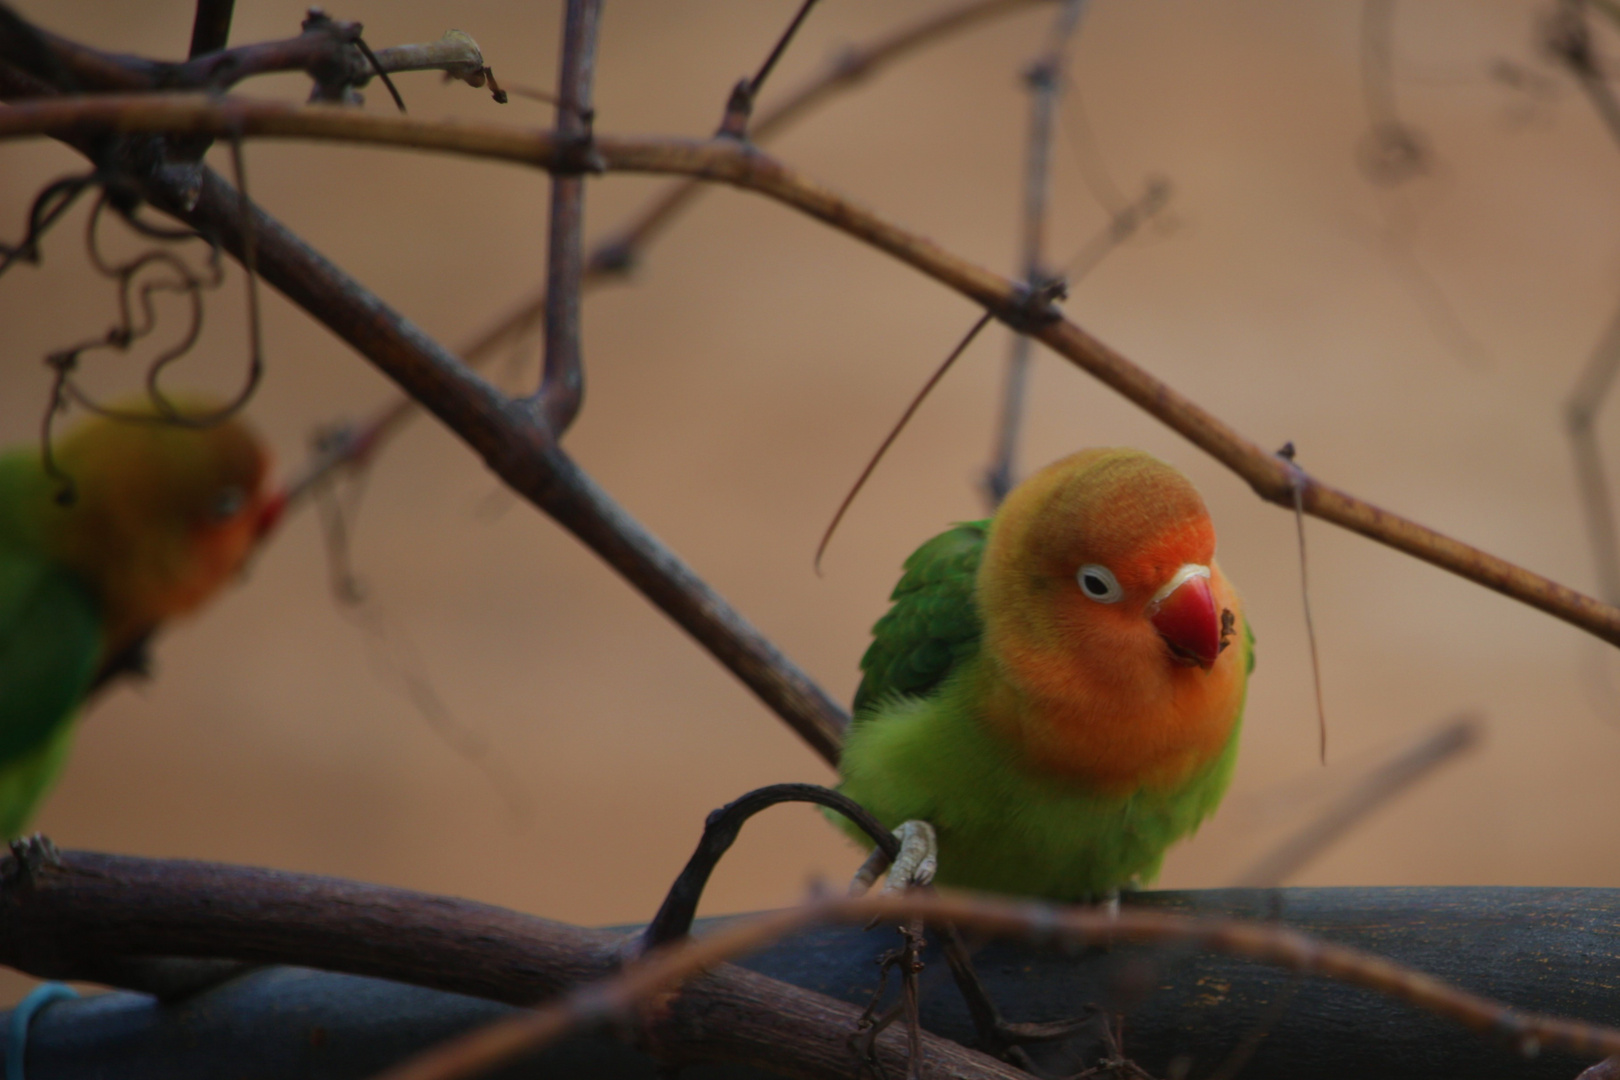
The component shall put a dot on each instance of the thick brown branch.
(65, 919)
(71, 920)
(1268, 943)
(518, 447)
(724, 160)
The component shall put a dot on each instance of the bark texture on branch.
(75, 919)
(90, 914)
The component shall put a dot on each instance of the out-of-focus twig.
(1581, 411)
(1380, 787)
(1393, 151)
(1567, 36)
(1045, 79)
(724, 160)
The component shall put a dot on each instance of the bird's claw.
(918, 860)
(29, 856)
(915, 866)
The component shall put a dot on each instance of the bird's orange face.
(1100, 590)
(164, 515)
(233, 511)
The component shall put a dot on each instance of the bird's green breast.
(50, 646)
(1002, 826)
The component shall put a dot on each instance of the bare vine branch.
(328, 50)
(613, 257)
(745, 167)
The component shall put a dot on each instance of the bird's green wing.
(932, 624)
(50, 644)
(25, 779)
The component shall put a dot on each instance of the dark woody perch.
(788, 1009)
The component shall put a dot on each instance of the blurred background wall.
(1416, 343)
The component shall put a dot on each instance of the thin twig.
(1123, 224)
(894, 433)
(381, 72)
(562, 382)
(1580, 417)
(210, 26)
(740, 103)
(620, 251)
(1568, 37)
(1392, 151)
(1045, 80)
(745, 167)
(757, 83)
(674, 919)
(1287, 454)
(1380, 787)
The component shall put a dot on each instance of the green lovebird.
(1054, 690)
(161, 516)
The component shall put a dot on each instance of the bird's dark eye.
(227, 503)
(1099, 583)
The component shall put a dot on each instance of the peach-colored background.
(738, 383)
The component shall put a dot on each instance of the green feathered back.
(933, 624)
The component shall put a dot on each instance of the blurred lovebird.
(1056, 690)
(144, 521)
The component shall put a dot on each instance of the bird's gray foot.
(916, 864)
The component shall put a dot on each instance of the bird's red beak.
(1186, 618)
(270, 514)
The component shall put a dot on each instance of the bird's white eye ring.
(1099, 583)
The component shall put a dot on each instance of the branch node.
(617, 257)
(1033, 307)
(739, 110)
